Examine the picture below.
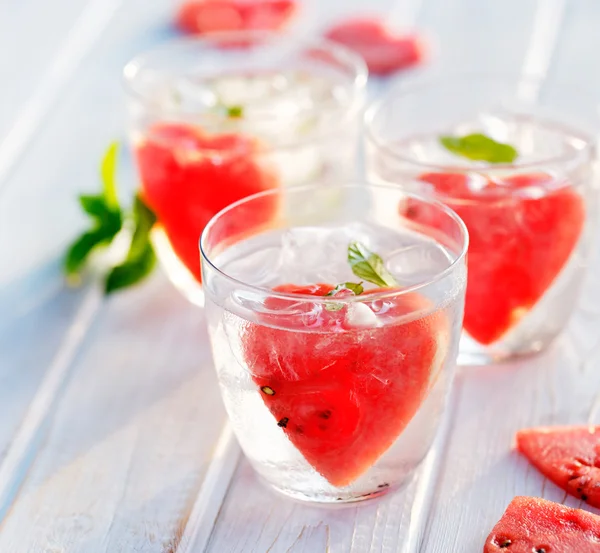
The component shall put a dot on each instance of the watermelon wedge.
(344, 383)
(208, 16)
(534, 525)
(569, 456)
(187, 177)
(518, 245)
(383, 51)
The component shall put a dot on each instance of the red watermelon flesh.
(534, 525)
(187, 177)
(518, 244)
(383, 51)
(342, 392)
(569, 456)
(206, 16)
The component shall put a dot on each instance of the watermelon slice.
(343, 384)
(534, 525)
(569, 456)
(383, 51)
(207, 16)
(518, 243)
(187, 177)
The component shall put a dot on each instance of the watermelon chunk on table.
(569, 456)
(534, 525)
(188, 176)
(518, 244)
(208, 16)
(384, 52)
(340, 391)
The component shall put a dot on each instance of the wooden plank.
(131, 438)
(41, 322)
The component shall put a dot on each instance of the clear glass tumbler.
(334, 329)
(219, 118)
(513, 160)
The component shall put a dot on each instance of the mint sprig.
(141, 258)
(479, 147)
(235, 111)
(354, 287)
(105, 213)
(369, 266)
(108, 219)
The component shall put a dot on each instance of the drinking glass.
(334, 323)
(216, 119)
(515, 161)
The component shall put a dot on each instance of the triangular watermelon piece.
(518, 244)
(209, 16)
(185, 185)
(342, 392)
(569, 456)
(383, 51)
(534, 525)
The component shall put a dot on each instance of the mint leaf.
(108, 174)
(479, 147)
(141, 258)
(81, 249)
(132, 271)
(356, 288)
(235, 112)
(368, 265)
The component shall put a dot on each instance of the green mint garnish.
(368, 265)
(235, 112)
(141, 258)
(108, 220)
(479, 147)
(105, 213)
(356, 288)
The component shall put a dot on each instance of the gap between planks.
(80, 40)
(21, 452)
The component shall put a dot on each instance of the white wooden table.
(112, 433)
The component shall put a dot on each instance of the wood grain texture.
(131, 438)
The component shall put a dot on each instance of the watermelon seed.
(584, 497)
(325, 414)
(283, 422)
(267, 390)
(541, 550)
(505, 544)
(384, 485)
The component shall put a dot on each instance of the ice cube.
(417, 263)
(360, 315)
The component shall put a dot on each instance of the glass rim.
(356, 83)
(385, 293)
(400, 90)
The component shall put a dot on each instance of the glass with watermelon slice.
(511, 159)
(334, 331)
(216, 119)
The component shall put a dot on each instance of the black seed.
(267, 390)
(584, 497)
(540, 550)
(283, 422)
(339, 499)
(412, 211)
(384, 485)
(325, 414)
(579, 490)
(505, 543)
